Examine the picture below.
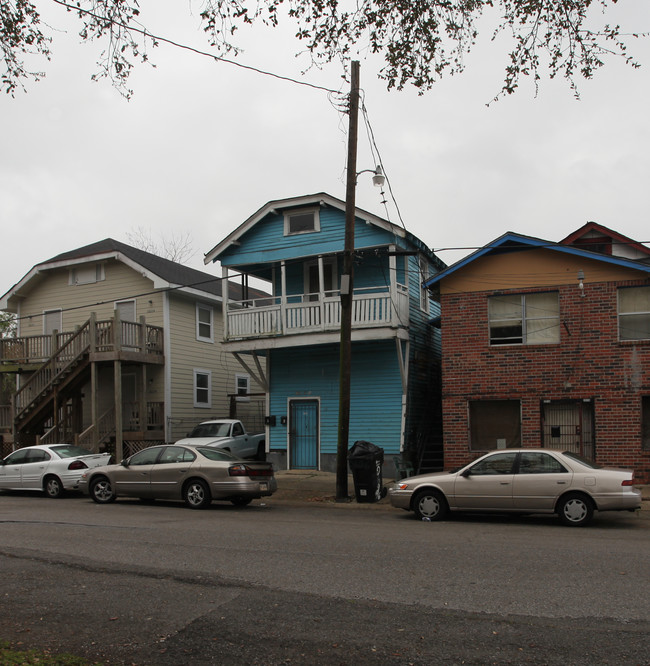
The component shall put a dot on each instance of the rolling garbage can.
(365, 460)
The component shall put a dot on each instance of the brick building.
(548, 344)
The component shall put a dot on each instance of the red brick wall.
(589, 363)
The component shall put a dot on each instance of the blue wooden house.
(289, 342)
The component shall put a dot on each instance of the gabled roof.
(588, 231)
(164, 273)
(512, 242)
(322, 199)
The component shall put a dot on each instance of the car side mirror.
(125, 462)
(466, 472)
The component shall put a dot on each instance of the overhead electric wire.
(171, 42)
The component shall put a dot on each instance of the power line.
(171, 42)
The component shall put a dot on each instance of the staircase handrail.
(48, 372)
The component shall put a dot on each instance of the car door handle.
(561, 483)
(505, 483)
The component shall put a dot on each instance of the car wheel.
(241, 501)
(575, 510)
(197, 494)
(430, 504)
(261, 452)
(53, 486)
(101, 490)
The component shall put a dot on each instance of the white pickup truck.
(230, 435)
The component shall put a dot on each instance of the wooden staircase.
(66, 365)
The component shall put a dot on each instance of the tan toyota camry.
(521, 481)
(195, 474)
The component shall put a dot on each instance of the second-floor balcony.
(372, 307)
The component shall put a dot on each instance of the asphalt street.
(281, 582)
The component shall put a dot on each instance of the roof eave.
(527, 241)
(321, 198)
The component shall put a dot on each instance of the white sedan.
(52, 468)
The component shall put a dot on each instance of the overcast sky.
(203, 145)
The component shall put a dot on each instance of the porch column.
(321, 278)
(283, 300)
(392, 271)
(142, 407)
(117, 331)
(224, 295)
(117, 379)
(94, 411)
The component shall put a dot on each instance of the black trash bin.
(365, 460)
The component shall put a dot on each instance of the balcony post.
(392, 271)
(224, 295)
(283, 298)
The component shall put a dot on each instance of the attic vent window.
(301, 222)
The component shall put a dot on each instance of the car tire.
(575, 510)
(197, 494)
(241, 501)
(53, 487)
(430, 505)
(101, 490)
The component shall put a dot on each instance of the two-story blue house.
(296, 245)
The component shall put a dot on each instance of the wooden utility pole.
(347, 293)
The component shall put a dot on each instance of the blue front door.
(303, 433)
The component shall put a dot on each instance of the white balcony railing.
(307, 313)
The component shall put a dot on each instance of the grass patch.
(11, 656)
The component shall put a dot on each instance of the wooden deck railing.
(94, 336)
(305, 313)
(36, 349)
(5, 416)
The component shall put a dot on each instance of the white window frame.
(301, 211)
(622, 316)
(210, 309)
(195, 374)
(242, 397)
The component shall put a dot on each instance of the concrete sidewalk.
(314, 487)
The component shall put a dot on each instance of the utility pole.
(346, 293)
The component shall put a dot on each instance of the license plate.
(264, 486)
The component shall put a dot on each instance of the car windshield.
(216, 454)
(583, 461)
(70, 451)
(211, 430)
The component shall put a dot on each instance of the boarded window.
(634, 313)
(494, 424)
(529, 319)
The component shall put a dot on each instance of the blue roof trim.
(511, 242)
